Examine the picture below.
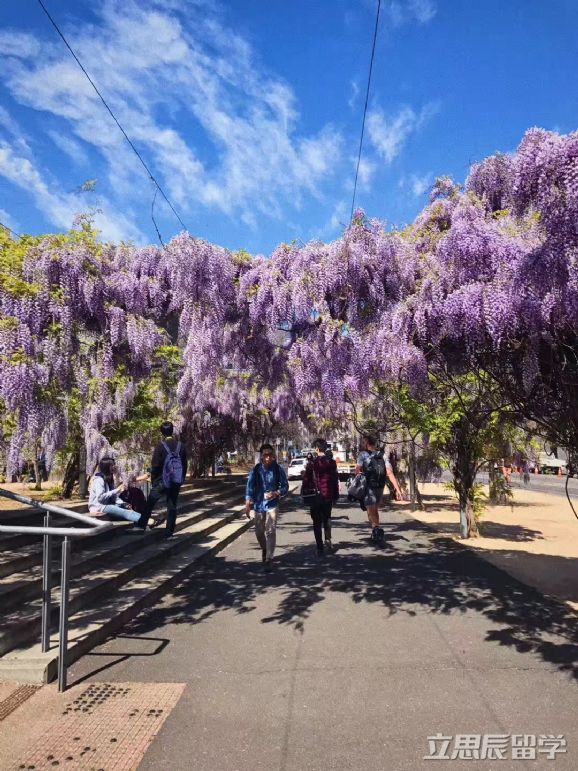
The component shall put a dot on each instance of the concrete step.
(21, 626)
(19, 586)
(91, 626)
(30, 517)
(17, 553)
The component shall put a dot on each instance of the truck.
(345, 466)
(549, 464)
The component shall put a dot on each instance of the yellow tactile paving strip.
(102, 727)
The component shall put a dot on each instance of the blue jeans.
(117, 512)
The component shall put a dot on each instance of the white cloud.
(352, 101)
(8, 220)
(367, 169)
(69, 146)
(414, 184)
(216, 129)
(9, 129)
(389, 134)
(61, 208)
(335, 224)
(405, 11)
(340, 216)
(420, 185)
(7, 122)
(18, 44)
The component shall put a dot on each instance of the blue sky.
(249, 111)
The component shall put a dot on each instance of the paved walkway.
(346, 664)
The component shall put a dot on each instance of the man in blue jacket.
(266, 484)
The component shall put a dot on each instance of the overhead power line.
(365, 109)
(113, 116)
(14, 233)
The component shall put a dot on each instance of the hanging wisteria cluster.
(487, 275)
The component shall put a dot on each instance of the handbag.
(357, 490)
(311, 495)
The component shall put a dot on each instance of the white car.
(296, 468)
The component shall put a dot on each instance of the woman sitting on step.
(104, 499)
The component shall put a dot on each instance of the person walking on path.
(266, 484)
(321, 478)
(377, 469)
(168, 471)
(104, 498)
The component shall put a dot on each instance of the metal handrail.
(78, 532)
(66, 533)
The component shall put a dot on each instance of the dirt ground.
(535, 540)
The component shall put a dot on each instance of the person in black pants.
(165, 484)
(321, 475)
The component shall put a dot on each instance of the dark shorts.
(374, 496)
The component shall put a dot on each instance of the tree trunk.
(473, 531)
(37, 477)
(82, 481)
(418, 498)
(468, 524)
(464, 473)
(415, 495)
(492, 497)
(411, 473)
(70, 475)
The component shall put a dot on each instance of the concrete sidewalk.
(349, 663)
(535, 540)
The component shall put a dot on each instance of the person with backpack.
(377, 470)
(105, 499)
(321, 489)
(168, 471)
(266, 485)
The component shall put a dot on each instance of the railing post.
(63, 632)
(46, 585)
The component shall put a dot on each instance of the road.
(544, 483)
(351, 662)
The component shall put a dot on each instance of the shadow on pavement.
(489, 529)
(120, 656)
(415, 572)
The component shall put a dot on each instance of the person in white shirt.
(104, 498)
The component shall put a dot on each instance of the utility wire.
(154, 220)
(14, 233)
(113, 116)
(365, 108)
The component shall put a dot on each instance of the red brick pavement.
(97, 727)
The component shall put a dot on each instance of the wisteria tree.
(485, 280)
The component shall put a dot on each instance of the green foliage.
(500, 490)
(477, 497)
(143, 418)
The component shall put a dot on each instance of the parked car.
(296, 468)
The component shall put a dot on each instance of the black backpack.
(374, 469)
